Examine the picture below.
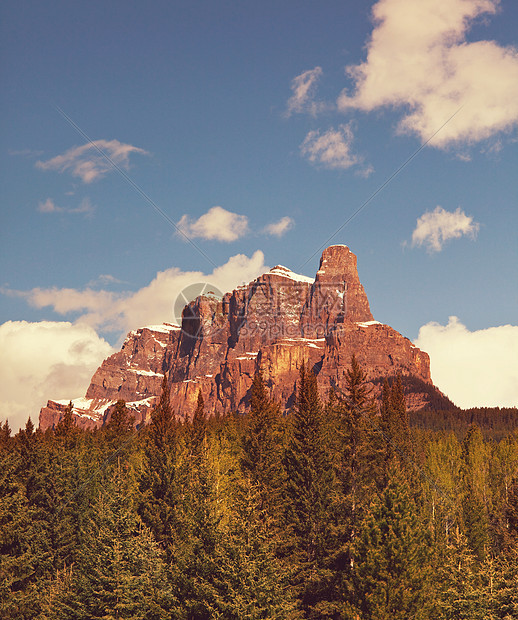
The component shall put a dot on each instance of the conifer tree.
(475, 499)
(511, 514)
(443, 474)
(194, 543)
(261, 455)
(389, 426)
(356, 392)
(120, 425)
(120, 571)
(29, 428)
(157, 482)
(504, 589)
(197, 431)
(394, 420)
(26, 442)
(66, 425)
(391, 573)
(398, 442)
(31, 533)
(459, 591)
(18, 546)
(5, 435)
(356, 423)
(253, 582)
(502, 471)
(58, 497)
(163, 423)
(357, 446)
(308, 492)
(398, 404)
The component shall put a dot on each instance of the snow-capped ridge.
(281, 270)
(164, 328)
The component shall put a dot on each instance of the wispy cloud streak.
(49, 206)
(331, 149)
(86, 163)
(280, 228)
(303, 87)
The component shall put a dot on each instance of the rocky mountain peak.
(274, 323)
(337, 259)
(337, 294)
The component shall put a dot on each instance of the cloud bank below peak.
(118, 312)
(56, 359)
(473, 368)
(45, 360)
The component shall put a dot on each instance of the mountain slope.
(273, 323)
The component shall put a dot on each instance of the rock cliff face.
(273, 323)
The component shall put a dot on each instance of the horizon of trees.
(344, 509)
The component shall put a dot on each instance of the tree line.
(339, 510)
(494, 422)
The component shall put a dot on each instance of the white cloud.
(303, 87)
(85, 207)
(418, 59)
(56, 360)
(45, 360)
(364, 172)
(278, 229)
(436, 227)
(154, 303)
(331, 149)
(474, 369)
(121, 312)
(217, 223)
(49, 206)
(105, 278)
(87, 163)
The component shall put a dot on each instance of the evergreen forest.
(343, 509)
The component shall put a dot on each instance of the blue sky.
(250, 107)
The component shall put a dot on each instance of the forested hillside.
(338, 510)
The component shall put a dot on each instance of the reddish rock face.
(274, 323)
(136, 371)
(337, 295)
